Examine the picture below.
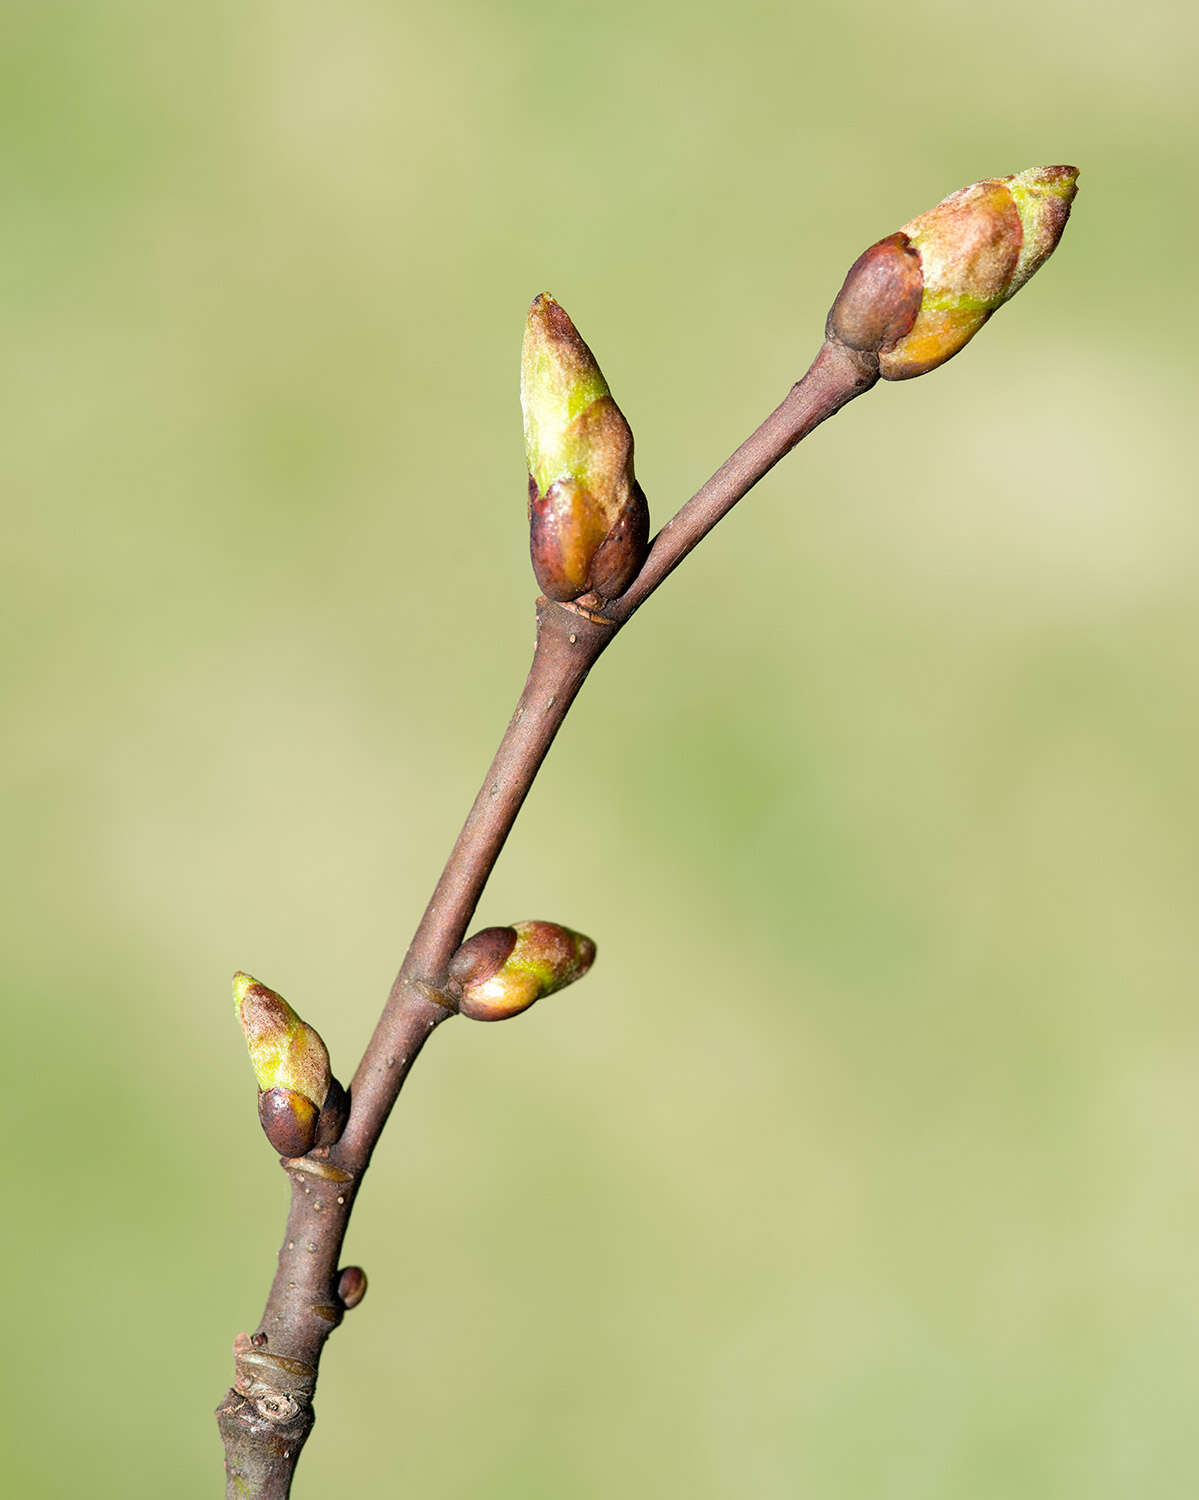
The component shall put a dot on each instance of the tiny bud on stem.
(351, 1286)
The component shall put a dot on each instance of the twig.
(267, 1415)
(909, 303)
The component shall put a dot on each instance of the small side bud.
(920, 295)
(503, 970)
(588, 517)
(290, 1062)
(351, 1286)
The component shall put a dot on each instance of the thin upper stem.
(567, 647)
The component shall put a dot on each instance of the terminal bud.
(588, 517)
(503, 970)
(921, 294)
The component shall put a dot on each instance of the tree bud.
(588, 517)
(291, 1064)
(502, 970)
(920, 295)
(351, 1286)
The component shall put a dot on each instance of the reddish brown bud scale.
(619, 556)
(879, 301)
(565, 532)
(334, 1115)
(480, 956)
(351, 1286)
(288, 1121)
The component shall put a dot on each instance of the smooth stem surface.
(265, 1418)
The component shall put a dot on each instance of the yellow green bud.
(291, 1063)
(588, 518)
(973, 252)
(285, 1052)
(503, 970)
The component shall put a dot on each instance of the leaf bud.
(291, 1064)
(920, 295)
(588, 517)
(503, 970)
(351, 1286)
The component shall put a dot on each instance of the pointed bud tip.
(285, 1051)
(976, 249)
(1043, 196)
(549, 317)
(1061, 179)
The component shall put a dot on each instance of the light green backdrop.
(864, 1164)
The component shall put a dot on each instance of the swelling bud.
(300, 1103)
(921, 294)
(588, 517)
(503, 970)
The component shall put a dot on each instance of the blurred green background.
(864, 1164)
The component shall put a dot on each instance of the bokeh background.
(864, 1164)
